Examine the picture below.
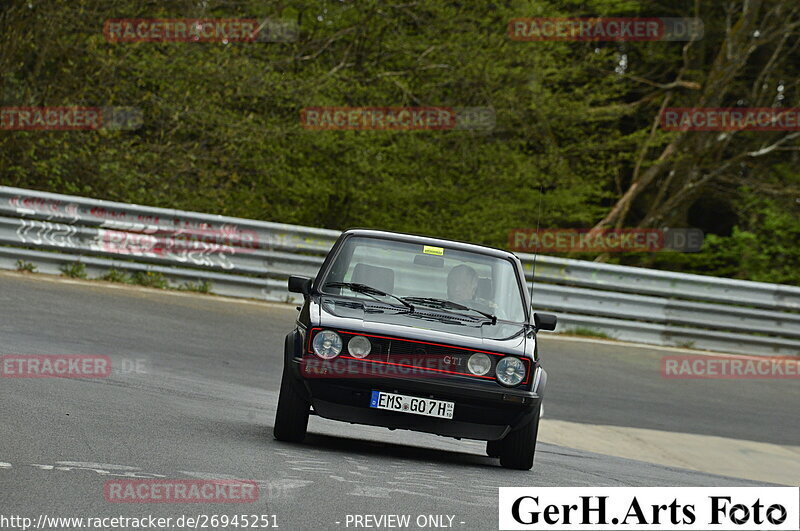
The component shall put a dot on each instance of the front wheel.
(516, 449)
(291, 419)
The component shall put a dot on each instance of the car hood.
(425, 324)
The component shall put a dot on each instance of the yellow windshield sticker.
(427, 249)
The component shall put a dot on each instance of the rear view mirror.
(544, 321)
(300, 285)
(428, 260)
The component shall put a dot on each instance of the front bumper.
(481, 412)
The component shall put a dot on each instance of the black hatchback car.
(410, 332)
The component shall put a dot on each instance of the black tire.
(493, 448)
(519, 446)
(291, 419)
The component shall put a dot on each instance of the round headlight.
(327, 344)
(510, 371)
(479, 364)
(359, 347)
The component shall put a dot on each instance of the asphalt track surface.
(202, 405)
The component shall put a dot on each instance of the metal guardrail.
(247, 258)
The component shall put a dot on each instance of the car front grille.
(398, 357)
(435, 358)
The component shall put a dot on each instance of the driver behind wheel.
(462, 286)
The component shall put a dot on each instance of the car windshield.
(429, 276)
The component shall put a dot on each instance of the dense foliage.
(575, 121)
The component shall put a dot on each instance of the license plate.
(412, 404)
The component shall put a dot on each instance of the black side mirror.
(300, 285)
(544, 321)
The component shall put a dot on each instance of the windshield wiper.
(446, 304)
(368, 290)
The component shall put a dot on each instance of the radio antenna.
(536, 254)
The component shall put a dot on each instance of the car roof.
(427, 240)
